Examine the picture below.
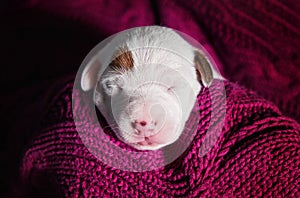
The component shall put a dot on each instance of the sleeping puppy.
(146, 81)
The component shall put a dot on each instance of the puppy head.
(148, 88)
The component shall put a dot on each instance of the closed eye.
(170, 88)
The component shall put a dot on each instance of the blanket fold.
(255, 154)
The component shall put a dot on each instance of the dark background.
(36, 49)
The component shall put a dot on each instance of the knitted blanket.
(256, 153)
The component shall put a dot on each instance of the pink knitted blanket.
(256, 154)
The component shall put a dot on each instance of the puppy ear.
(89, 75)
(203, 68)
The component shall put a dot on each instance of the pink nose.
(142, 123)
(144, 126)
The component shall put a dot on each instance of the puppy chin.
(152, 147)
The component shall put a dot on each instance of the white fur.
(161, 87)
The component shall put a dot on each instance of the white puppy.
(146, 82)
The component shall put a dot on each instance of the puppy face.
(147, 104)
(148, 86)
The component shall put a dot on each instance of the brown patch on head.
(123, 61)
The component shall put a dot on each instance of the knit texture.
(257, 154)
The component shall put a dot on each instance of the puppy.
(146, 82)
